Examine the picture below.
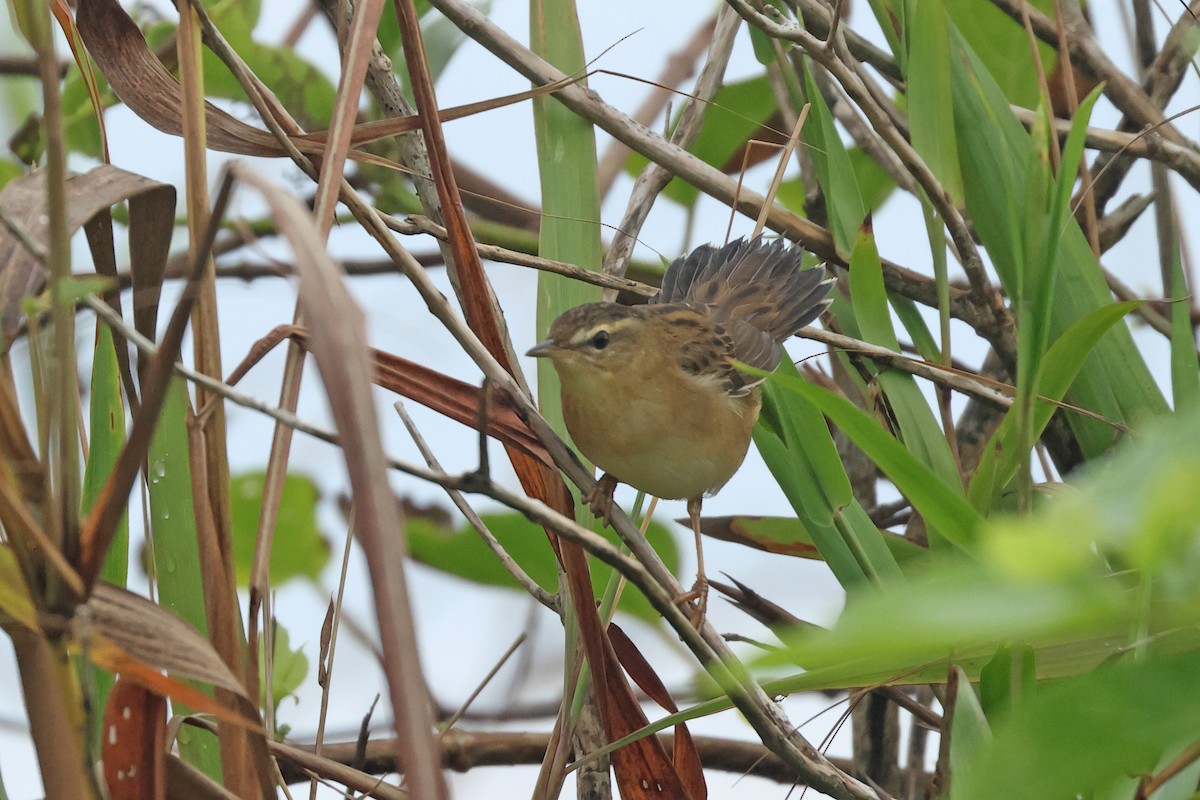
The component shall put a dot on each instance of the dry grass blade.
(354, 67)
(339, 346)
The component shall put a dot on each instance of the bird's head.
(594, 342)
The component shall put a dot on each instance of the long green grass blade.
(918, 425)
(942, 506)
(930, 111)
(834, 170)
(106, 438)
(176, 552)
(566, 147)
(995, 152)
(1062, 364)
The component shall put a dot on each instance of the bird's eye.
(600, 340)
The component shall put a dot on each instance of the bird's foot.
(600, 498)
(695, 602)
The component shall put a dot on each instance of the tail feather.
(753, 281)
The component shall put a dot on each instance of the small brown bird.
(652, 394)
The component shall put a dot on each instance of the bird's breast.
(670, 435)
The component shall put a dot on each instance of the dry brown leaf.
(134, 743)
(151, 210)
(458, 400)
(688, 766)
(119, 624)
(151, 92)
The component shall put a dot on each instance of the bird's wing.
(711, 360)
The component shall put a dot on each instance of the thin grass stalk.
(63, 521)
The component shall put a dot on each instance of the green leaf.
(834, 171)
(566, 148)
(930, 110)
(461, 552)
(1009, 676)
(917, 422)
(732, 118)
(940, 504)
(970, 734)
(289, 668)
(875, 185)
(1061, 365)
(300, 550)
(106, 440)
(798, 448)
(1003, 46)
(995, 153)
(106, 431)
(176, 554)
(1078, 736)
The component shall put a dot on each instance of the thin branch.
(466, 750)
(508, 562)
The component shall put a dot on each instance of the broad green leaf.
(910, 317)
(1009, 676)
(868, 544)
(917, 422)
(802, 489)
(799, 450)
(874, 184)
(802, 430)
(970, 734)
(995, 152)
(1003, 46)
(106, 439)
(289, 668)
(566, 148)
(300, 550)
(1078, 736)
(461, 552)
(1137, 510)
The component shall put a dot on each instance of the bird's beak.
(542, 349)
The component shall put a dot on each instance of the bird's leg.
(699, 591)
(600, 498)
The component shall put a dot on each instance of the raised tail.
(753, 281)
